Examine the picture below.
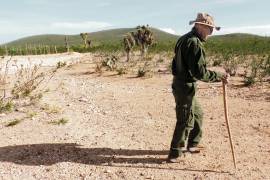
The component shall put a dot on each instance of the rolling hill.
(110, 40)
(113, 36)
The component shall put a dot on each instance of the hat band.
(213, 26)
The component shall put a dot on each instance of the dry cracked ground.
(120, 127)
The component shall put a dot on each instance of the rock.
(162, 70)
(2, 115)
(198, 178)
(83, 100)
(20, 109)
(107, 171)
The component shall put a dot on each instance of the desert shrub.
(3, 76)
(169, 67)
(147, 57)
(61, 121)
(60, 64)
(121, 70)
(51, 109)
(230, 63)
(31, 114)
(160, 59)
(29, 81)
(257, 70)
(217, 61)
(13, 122)
(34, 98)
(143, 37)
(98, 68)
(266, 66)
(6, 106)
(142, 71)
(249, 80)
(110, 62)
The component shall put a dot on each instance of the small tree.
(84, 36)
(66, 44)
(129, 43)
(143, 37)
(257, 70)
(89, 43)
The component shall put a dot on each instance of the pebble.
(2, 115)
(20, 109)
(107, 171)
(83, 100)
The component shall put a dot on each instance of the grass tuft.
(13, 123)
(61, 121)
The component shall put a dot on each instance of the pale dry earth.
(13, 63)
(120, 127)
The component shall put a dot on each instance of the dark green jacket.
(189, 63)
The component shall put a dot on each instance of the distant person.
(188, 66)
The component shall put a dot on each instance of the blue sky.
(21, 18)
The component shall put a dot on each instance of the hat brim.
(216, 27)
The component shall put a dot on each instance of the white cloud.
(169, 30)
(256, 29)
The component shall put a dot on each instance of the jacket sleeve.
(197, 64)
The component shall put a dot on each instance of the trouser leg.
(196, 133)
(184, 124)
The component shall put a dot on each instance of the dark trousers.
(188, 128)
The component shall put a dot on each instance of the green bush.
(60, 64)
(257, 70)
(6, 106)
(61, 121)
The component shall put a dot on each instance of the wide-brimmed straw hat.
(205, 19)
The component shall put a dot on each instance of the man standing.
(188, 66)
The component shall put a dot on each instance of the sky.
(22, 18)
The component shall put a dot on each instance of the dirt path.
(121, 127)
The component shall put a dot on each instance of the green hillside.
(239, 43)
(110, 40)
(109, 36)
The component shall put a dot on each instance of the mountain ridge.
(108, 36)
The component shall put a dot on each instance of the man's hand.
(225, 79)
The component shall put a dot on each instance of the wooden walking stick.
(227, 120)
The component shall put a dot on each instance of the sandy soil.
(120, 127)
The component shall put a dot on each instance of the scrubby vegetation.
(229, 51)
(28, 83)
(143, 38)
(61, 121)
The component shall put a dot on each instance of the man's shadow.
(49, 154)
